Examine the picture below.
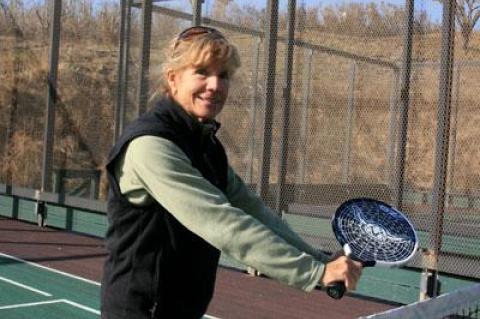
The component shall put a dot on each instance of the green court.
(35, 291)
(31, 290)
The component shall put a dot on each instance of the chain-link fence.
(331, 102)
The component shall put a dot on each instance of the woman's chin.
(208, 112)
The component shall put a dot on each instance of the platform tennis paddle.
(374, 233)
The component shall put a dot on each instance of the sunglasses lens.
(190, 32)
(195, 31)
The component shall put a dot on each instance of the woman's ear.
(171, 81)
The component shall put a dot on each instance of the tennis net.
(462, 303)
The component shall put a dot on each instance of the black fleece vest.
(156, 267)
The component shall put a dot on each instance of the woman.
(175, 203)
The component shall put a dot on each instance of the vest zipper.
(211, 168)
(156, 285)
(153, 310)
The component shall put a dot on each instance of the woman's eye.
(224, 75)
(201, 71)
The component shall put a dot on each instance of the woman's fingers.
(343, 269)
(352, 275)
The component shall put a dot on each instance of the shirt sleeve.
(240, 196)
(162, 170)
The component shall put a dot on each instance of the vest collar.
(203, 130)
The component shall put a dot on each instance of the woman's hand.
(342, 268)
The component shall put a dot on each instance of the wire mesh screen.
(241, 118)
(23, 65)
(85, 94)
(342, 138)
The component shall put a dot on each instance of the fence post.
(253, 112)
(280, 204)
(271, 28)
(347, 154)
(453, 136)
(197, 12)
(48, 137)
(95, 184)
(392, 129)
(124, 48)
(443, 130)
(306, 83)
(146, 25)
(404, 104)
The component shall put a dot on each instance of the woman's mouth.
(211, 100)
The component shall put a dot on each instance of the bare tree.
(467, 16)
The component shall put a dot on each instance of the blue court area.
(29, 290)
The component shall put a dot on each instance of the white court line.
(30, 304)
(43, 293)
(51, 269)
(95, 311)
(33, 304)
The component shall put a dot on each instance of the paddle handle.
(337, 289)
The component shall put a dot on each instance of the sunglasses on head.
(196, 31)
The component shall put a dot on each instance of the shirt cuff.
(315, 279)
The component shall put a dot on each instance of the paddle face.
(374, 233)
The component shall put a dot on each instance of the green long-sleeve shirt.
(236, 222)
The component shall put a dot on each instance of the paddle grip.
(336, 290)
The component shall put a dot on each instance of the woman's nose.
(214, 83)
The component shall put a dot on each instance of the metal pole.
(349, 129)
(443, 130)
(197, 12)
(404, 104)
(307, 77)
(453, 135)
(253, 112)
(124, 47)
(286, 92)
(48, 137)
(14, 100)
(271, 28)
(392, 129)
(143, 86)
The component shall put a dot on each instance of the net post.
(429, 284)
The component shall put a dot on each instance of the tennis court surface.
(48, 273)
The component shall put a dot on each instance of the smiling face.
(201, 91)
(199, 65)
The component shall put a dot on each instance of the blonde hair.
(200, 51)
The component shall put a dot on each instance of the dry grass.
(86, 87)
(84, 116)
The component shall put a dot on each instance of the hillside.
(87, 84)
